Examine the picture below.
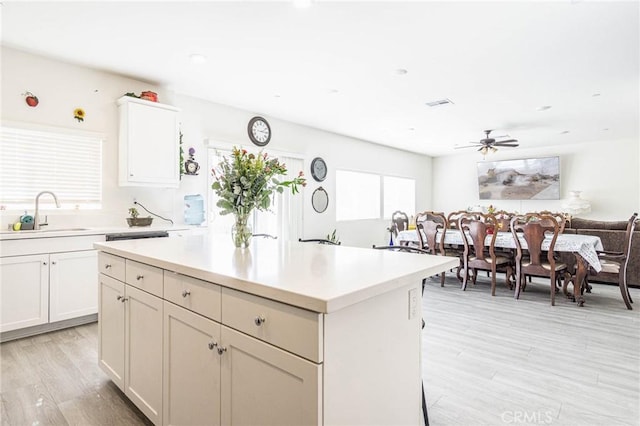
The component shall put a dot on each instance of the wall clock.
(318, 169)
(259, 131)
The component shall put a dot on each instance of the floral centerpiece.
(246, 181)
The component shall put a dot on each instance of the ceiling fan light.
(483, 150)
(494, 149)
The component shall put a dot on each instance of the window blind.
(66, 163)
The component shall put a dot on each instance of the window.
(65, 162)
(399, 194)
(284, 219)
(363, 195)
(357, 195)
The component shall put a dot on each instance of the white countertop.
(317, 277)
(73, 231)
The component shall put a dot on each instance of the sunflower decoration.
(78, 114)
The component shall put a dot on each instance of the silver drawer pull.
(119, 297)
(259, 320)
(107, 266)
(139, 277)
(124, 299)
(212, 345)
(185, 293)
(221, 350)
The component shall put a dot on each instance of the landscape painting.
(527, 179)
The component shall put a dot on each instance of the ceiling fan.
(490, 144)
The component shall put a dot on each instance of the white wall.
(606, 172)
(62, 87)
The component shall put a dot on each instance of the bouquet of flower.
(246, 181)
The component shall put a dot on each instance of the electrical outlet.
(413, 303)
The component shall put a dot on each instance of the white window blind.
(66, 163)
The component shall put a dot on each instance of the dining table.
(584, 248)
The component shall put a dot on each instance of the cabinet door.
(264, 385)
(111, 328)
(24, 291)
(73, 285)
(143, 352)
(152, 144)
(191, 368)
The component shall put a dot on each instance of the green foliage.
(245, 181)
(134, 212)
(333, 237)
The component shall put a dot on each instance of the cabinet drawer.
(145, 277)
(290, 328)
(193, 294)
(112, 266)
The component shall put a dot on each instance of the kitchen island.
(196, 331)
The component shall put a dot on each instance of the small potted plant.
(134, 220)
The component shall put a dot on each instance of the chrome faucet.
(36, 216)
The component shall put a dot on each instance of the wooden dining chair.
(478, 255)
(533, 228)
(614, 264)
(560, 218)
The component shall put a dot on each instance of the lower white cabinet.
(191, 368)
(130, 343)
(73, 284)
(45, 288)
(24, 291)
(215, 375)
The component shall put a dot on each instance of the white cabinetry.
(130, 333)
(24, 291)
(45, 281)
(149, 147)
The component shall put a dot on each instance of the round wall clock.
(318, 169)
(259, 131)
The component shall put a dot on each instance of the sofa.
(612, 236)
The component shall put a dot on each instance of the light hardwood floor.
(486, 361)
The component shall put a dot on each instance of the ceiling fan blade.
(512, 145)
(466, 146)
(505, 141)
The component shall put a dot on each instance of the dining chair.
(399, 221)
(561, 218)
(614, 264)
(534, 228)
(428, 224)
(412, 249)
(478, 255)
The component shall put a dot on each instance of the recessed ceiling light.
(276, 95)
(543, 108)
(333, 91)
(411, 129)
(564, 132)
(197, 58)
(595, 95)
(401, 71)
(605, 129)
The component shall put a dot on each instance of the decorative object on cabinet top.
(146, 95)
(79, 114)
(31, 99)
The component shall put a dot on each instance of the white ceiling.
(334, 65)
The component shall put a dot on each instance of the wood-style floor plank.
(496, 360)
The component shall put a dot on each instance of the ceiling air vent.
(440, 102)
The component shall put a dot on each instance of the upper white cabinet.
(149, 147)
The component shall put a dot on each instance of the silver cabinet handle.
(44, 263)
(107, 266)
(221, 350)
(185, 293)
(139, 277)
(212, 345)
(119, 297)
(124, 299)
(259, 320)
(53, 263)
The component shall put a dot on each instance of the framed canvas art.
(526, 179)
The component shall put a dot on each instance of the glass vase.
(241, 232)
